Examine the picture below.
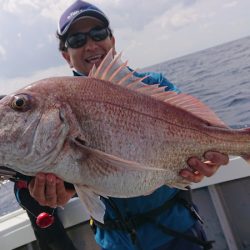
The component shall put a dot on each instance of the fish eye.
(20, 102)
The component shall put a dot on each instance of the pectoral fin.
(107, 162)
(92, 202)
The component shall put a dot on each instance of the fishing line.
(44, 219)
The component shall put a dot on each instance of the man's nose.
(90, 44)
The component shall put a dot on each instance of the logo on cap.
(74, 13)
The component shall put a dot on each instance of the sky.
(147, 32)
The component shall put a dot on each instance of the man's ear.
(113, 44)
(66, 56)
(113, 41)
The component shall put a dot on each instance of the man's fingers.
(37, 188)
(204, 168)
(217, 158)
(50, 191)
(43, 189)
(191, 176)
(63, 194)
(198, 169)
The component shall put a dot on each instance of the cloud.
(15, 6)
(230, 4)
(8, 86)
(124, 13)
(53, 9)
(178, 17)
(184, 28)
(2, 53)
(33, 24)
(29, 38)
(147, 31)
(183, 18)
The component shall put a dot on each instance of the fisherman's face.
(93, 52)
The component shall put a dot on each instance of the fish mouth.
(7, 174)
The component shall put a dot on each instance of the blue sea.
(219, 76)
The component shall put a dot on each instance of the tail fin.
(246, 132)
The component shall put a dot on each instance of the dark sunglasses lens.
(79, 39)
(76, 40)
(98, 34)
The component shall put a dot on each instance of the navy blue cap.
(77, 10)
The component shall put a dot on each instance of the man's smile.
(96, 59)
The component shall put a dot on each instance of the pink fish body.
(109, 134)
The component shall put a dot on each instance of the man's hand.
(49, 190)
(200, 169)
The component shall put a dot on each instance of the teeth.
(94, 58)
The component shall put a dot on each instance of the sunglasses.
(79, 39)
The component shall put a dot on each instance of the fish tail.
(246, 155)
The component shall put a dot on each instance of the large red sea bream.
(109, 134)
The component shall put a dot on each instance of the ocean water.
(8, 201)
(219, 76)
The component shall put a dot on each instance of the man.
(165, 219)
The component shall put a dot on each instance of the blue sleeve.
(157, 78)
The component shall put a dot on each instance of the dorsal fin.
(112, 69)
(194, 106)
